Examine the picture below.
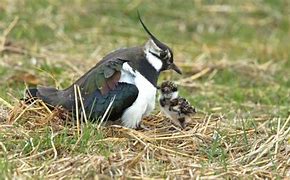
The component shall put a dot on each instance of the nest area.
(210, 147)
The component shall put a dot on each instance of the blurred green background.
(244, 44)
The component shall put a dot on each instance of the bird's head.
(159, 55)
(168, 90)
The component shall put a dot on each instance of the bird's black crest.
(156, 41)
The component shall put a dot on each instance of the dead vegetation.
(211, 147)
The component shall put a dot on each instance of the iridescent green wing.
(104, 77)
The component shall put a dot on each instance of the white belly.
(145, 101)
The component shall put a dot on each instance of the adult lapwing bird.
(176, 108)
(128, 76)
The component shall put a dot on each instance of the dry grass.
(211, 147)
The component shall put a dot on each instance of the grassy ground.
(235, 58)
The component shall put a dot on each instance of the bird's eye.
(163, 54)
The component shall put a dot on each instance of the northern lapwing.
(129, 76)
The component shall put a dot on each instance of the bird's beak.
(175, 68)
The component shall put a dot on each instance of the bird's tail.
(49, 95)
(30, 93)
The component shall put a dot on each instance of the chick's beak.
(175, 68)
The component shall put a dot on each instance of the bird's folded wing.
(124, 95)
(104, 77)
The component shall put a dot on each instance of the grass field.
(236, 72)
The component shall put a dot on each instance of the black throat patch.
(147, 70)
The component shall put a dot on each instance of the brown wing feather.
(111, 83)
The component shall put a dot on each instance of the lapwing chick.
(176, 108)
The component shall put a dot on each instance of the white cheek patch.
(154, 61)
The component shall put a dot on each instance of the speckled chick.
(177, 108)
